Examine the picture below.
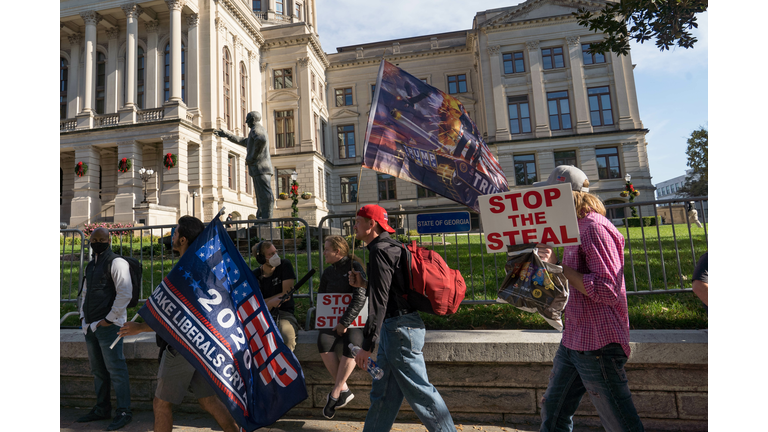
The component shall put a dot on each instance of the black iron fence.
(662, 247)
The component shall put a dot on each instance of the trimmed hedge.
(647, 221)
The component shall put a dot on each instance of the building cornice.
(306, 39)
(249, 24)
(530, 5)
(399, 57)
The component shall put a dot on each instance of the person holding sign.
(335, 279)
(595, 344)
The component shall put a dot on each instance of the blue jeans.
(108, 367)
(405, 375)
(601, 374)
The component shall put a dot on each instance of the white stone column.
(112, 84)
(540, 111)
(175, 181)
(580, 99)
(73, 88)
(499, 96)
(85, 118)
(175, 107)
(86, 203)
(153, 90)
(132, 12)
(622, 75)
(314, 15)
(192, 63)
(129, 186)
(304, 119)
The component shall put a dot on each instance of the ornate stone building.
(140, 80)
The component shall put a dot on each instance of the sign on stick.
(331, 307)
(543, 214)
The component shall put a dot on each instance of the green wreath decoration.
(81, 168)
(169, 161)
(124, 165)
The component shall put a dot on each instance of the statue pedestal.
(154, 214)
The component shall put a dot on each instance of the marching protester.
(106, 292)
(595, 343)
(276, 278)
(397, 328)
(175, 374)
(335, 279)
(693, 215)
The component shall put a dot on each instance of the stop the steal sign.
(331, 307)
(543, 214)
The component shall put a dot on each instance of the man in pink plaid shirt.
(595, 344)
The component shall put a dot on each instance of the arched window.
(63, 87)
(167, 72)
(140, 79)
(101, 82)
(227, 82)
(243, 98)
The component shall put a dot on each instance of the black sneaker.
(92, 416)
(119, 421)
(329, 410)
(344, 398)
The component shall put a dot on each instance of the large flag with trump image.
(422, 135)
(210, 309)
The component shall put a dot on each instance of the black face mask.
(98, 248)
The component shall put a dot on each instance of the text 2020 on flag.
(210, 309)
(420, 134)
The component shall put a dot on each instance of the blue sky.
(671, 85)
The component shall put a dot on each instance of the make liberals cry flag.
(210, 309)
(422, 135)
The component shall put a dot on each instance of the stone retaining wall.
(494, 376)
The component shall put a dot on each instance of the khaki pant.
(289, 329)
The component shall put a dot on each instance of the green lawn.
(485, 271)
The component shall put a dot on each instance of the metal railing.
(151, 245)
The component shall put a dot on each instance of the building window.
(552, 58)
(327, 186)
(256, 5)
(344, 96)
(227, 82)
(320, 188)
(423, 192)
(559, 110)
(608, 163)
(140, 79)
(525, 169)
(284, 180)
(519, 115)
(231, 164)
(279, 7)
(63, 78)
(167, 72)
(513, 63)
(297, 11)
(387, 189)
(243, 96)
(591, 58)
(320, 86)
(566, 157)
(348, 189)
(312, 81)
(323, 126)
(457, 84)
(346, 135)
(600, 106)
(373, 90)
(283, 78)
(317, 133)
(284, 129)
(101, 82)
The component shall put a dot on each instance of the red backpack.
(434, 287)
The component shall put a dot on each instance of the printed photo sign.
(543, 214)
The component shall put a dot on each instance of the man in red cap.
(397, 328)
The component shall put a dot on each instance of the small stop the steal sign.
(331, 307)
(543, 214)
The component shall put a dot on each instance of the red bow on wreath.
(295, 188)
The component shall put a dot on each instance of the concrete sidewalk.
(189, 422)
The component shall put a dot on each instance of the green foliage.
(647, 221)
(413, 233)
(403, 238)
(696, 184)
(351, 238)
(668, 22)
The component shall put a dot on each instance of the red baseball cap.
(377, 213)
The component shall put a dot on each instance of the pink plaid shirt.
(600, 317)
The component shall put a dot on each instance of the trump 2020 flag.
(210, 309)
(420, 134)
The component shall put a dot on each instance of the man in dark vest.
(258, 161)
(106, 291)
